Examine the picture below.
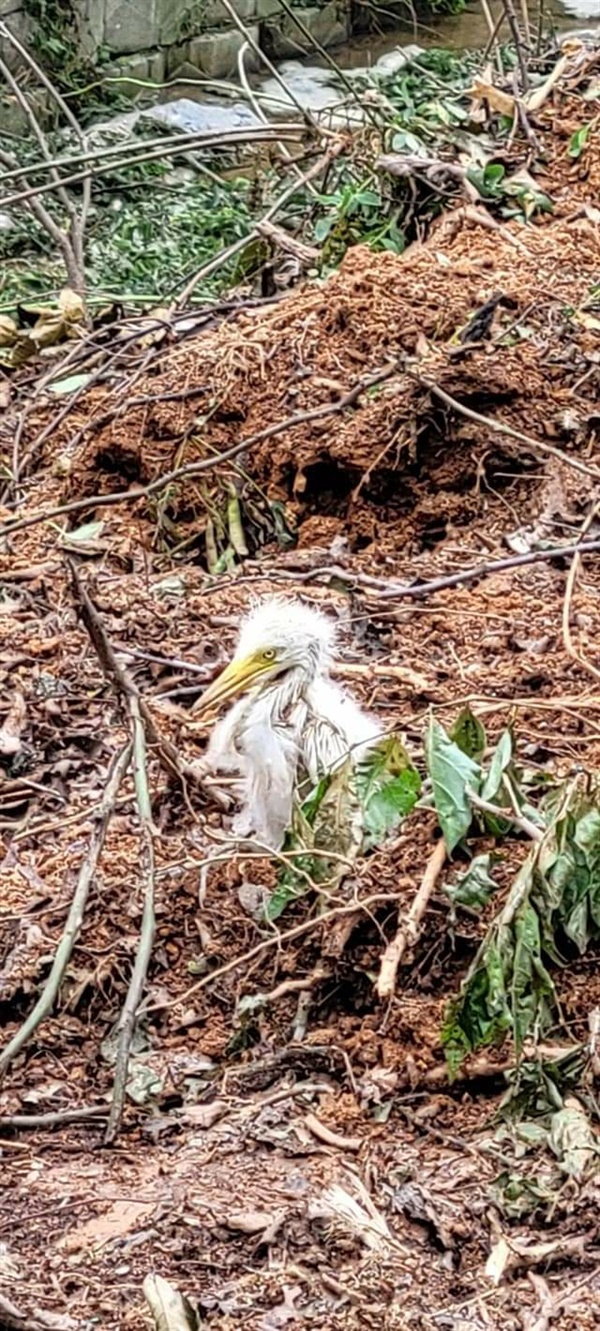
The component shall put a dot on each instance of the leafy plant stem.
(509, 815)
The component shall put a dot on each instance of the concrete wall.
(158, 39)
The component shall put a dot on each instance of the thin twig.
(33, 1122)
(316, 45)
(146, 939)
(570, 648)
(168, 148)
(307, 116)
(125, 686)
(499, 427)
(508, 815)
(274, 940)
(384, 589)
(74, 922)
(409, 929)
(56, 233)
(493, 43)
(516, 36)
(140, 720)
(78, 222)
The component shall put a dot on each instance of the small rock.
(187, 117)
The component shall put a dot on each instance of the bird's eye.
(269, 654)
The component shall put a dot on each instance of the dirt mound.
(251, 1032)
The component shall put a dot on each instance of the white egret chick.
(290, 721)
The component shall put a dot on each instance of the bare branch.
(74, 922)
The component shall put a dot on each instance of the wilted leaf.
(497, 1261)
(89, 532)
(235, 527)
(143, 1082)
(170, 1310)
(469, 734)
(451, 772)
(9, 332)
(475, 887)
(13, 726)
(499, 101)
(71, 306)
(69, 385)
(518, 1195)
(572, 1139)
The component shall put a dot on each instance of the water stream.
(466, 31)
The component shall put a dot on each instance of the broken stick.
(408, 931)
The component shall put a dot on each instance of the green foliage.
(349, 811)
(388, 787)
(55, 42)
(354, 215)
(130, 253)
(555, 898)
(474, 887)
(452, 773)
(578, 141)
(469, 734)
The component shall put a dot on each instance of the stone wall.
(158, 39)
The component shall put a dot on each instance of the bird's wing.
(336, 728)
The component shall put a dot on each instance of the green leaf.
(90, 531)
(578, 141)
(328, 820)
(451, 772)
(388, 787)
(501, 760)
(475, 887)
(69, 385)
(556, 892)
(469, 734)
(322, 228)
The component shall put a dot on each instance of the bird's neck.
(290, 689)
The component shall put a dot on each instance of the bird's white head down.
(277, 637)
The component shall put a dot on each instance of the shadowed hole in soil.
(328, 486)
(118, 461)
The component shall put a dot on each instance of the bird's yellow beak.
(236, 678)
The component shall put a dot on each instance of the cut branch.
(409, 930)
(146, 939)
(72, 928)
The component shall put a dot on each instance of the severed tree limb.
(60, 237)
(78, 219)
(125, 686)
(87, 872)
(410, 928)
(146, 939)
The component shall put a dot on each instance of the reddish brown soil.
(398, 486)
